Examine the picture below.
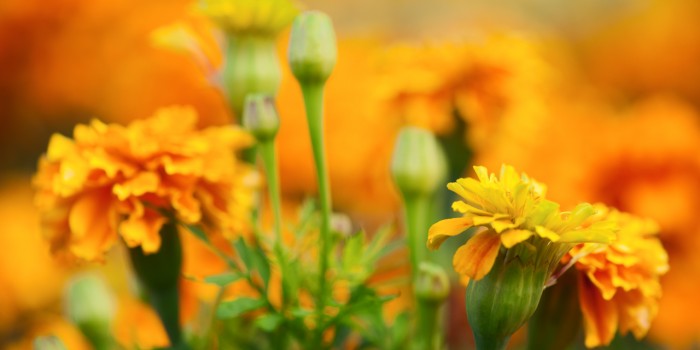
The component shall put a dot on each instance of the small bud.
(418, 165)
(260, 116)
(312, 47)
(431, 283)
(91, 306)
(50, 342)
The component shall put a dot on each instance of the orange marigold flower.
(619, 283)
(130, 180)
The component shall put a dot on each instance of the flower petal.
(599, 316)
(444, 229)
(513, 237)
(475, 259)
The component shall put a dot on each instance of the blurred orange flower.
(619, 283)
(113, 179)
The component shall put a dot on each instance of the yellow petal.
(547, 233)
(513, 237)
(475, 259)
(444, 229)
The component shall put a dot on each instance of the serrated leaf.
(235, 308)
(269, 322)
(223, 279)
(198, 232)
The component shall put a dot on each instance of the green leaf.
(223, 279)
(235, 308)
(261, 265)
(244, 253)
(198, 232)
(269, 322)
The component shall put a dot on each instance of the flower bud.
(251, 66)
(432, 283)
(260, 117)
(418, 165)
(91, 306)
(503, 301)
(312, 47)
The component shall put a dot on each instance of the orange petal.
(476, 257)
(143, 230)
(513, 237)
(91, 222)
(599, 316)
(444, 229)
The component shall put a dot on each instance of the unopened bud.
(260, 116)
(312, 47)
(432, 283)
(418, 165)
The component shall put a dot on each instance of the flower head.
(266, 17)
(619, 283)
(130, 180)
(512, 209)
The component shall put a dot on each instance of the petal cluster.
(619, 286)
(267, 17)
(510, 209)
(112, 180)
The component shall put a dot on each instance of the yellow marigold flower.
(267, 17)
(112, 178)
(512, 209)
(619, 283)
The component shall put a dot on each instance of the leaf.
(269, 322)
(244, 252)
(198, 232)
(223, 279)
(261, 265)
(235, 308)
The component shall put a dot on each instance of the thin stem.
(428, 325)
(269, 156)
(417, 212)
(313, 102)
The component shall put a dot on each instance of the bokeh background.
(598, 99)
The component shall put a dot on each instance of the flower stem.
(159, 274)
(417, 212)
(269, 157)
(313, 102)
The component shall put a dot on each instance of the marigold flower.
(132, 179)
(511, 209)
(619, 283)
(267, 17)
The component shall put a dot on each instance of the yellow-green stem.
(417, 213)
(313, 102)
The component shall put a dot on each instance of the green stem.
(269, 156)
(429, 325)
(159, 274)
(417, 212)
(313, 102)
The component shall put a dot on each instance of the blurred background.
(598, 99)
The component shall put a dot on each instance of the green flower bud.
(504, 300)
(312, 47)
(260, 117)
(418, 165)
(91, 306)
(432, 283)
(251, 66)
(50, 342)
